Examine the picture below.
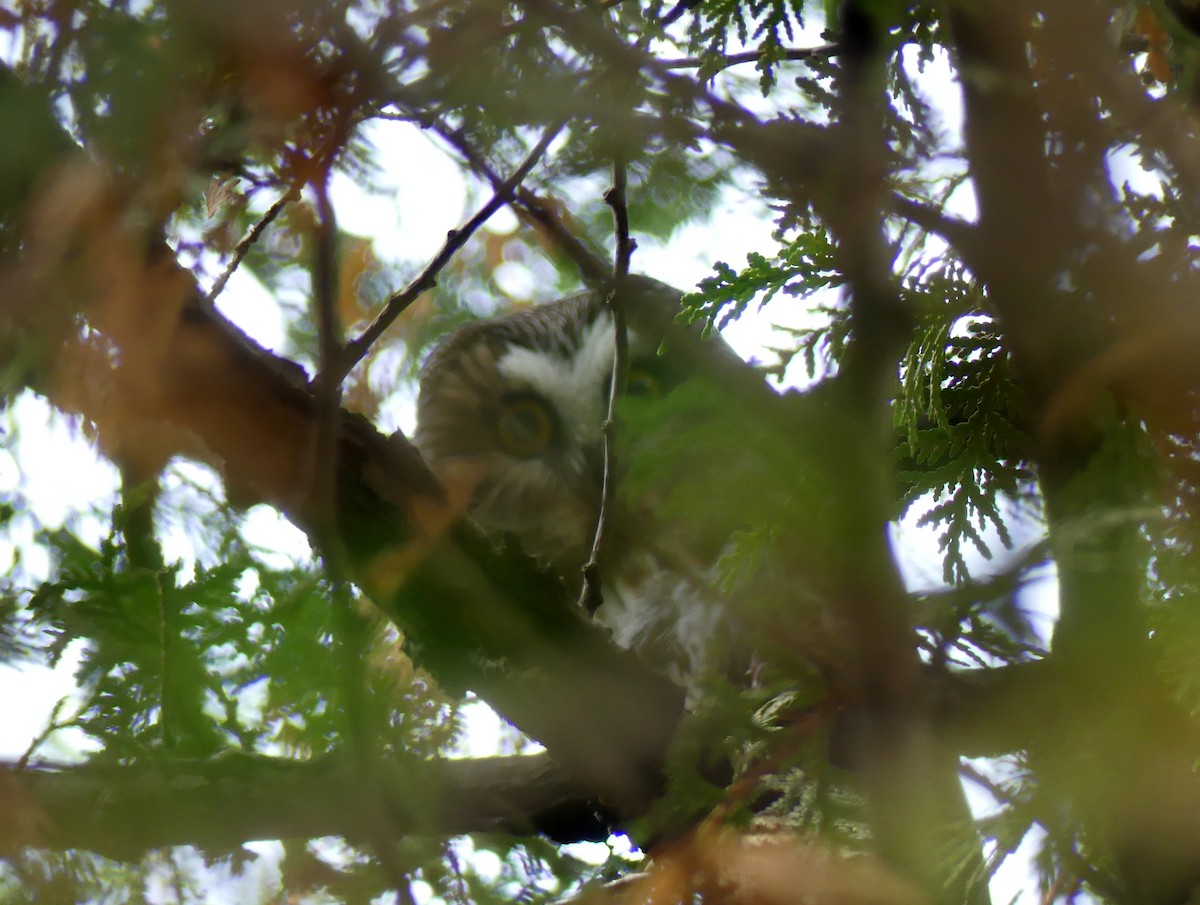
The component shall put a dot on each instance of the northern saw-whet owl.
(510, 415)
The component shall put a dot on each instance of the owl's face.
(511, 414)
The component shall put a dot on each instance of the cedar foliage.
(997, 347)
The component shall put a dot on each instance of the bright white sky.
(52, 466)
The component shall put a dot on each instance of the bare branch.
(222, 803)
(456, 239)
(124, 811)
(243, 247)
(531, 208)
(750, 56)
(962, 236)
(793, 152)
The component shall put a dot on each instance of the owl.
(510, 416)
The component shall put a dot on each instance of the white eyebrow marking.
(575, 386)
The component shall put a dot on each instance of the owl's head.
(511, 411)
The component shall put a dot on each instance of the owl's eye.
(525, 426)
(643, 384)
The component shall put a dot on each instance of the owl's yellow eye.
(643, 384)
(525, 426)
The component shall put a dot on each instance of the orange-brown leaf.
(1158, 61)
(358, 256)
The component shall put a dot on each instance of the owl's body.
(510, 416)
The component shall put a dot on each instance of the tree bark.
(217, 805)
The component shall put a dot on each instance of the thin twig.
(988, 784)
(796, 152)
(791, 150)
(676, 12)
(62, 15)
(243, 247)
(1002, 584)
(419, 15)
(590, 596)
(52, 726)
(530, 207)
(455, 239)
(1083, 870)
(1060, 882)
(617, 890)
(750, 56)
(959, 234)
(615, 198)
(539, 212)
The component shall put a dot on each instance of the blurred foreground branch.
(217, 805)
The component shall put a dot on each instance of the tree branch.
(533, 209)
(1124, 748)
(750, 56)
(455, 240)
(914, 800)
(124, 811)
(247, 241)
